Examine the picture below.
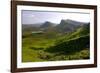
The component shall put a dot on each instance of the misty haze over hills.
(65, 20)
(64, 26)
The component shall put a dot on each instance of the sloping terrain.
(55, 45)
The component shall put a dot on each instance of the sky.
(34, 17)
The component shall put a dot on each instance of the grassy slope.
(37, 47)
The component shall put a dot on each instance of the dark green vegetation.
(68, 40)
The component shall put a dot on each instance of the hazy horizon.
(36, 17)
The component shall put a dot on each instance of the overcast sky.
(33, 17)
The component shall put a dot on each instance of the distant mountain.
(68, 25)
(65, 26)
(47, 25)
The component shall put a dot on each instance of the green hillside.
(49, 46)
(82, 31)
